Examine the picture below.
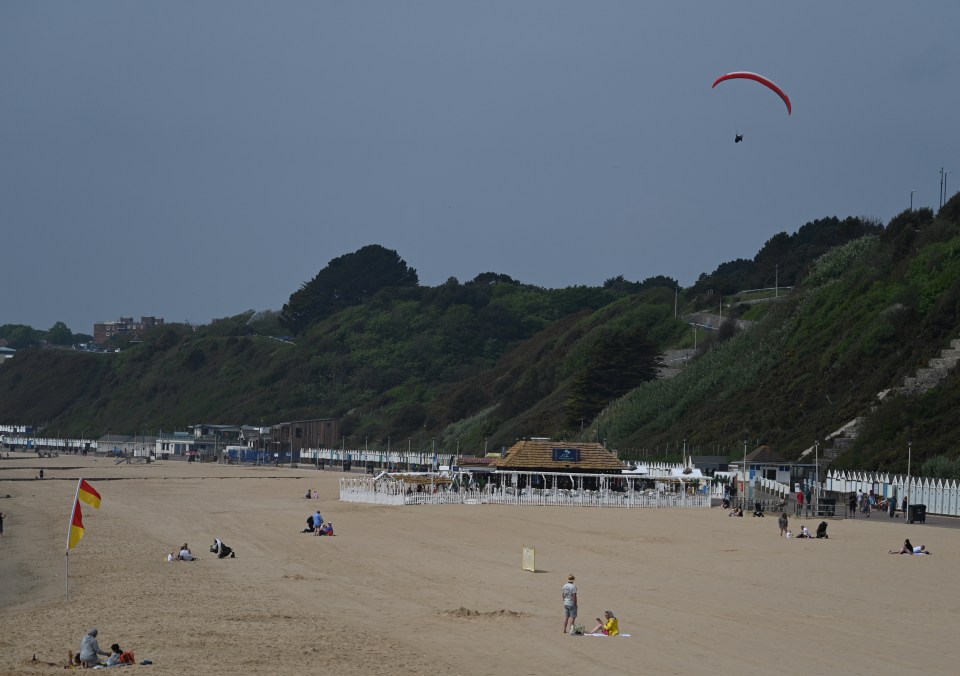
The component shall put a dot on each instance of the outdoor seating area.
(397, 490)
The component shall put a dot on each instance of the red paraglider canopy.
(746, 75)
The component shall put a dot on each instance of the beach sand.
(440, 590)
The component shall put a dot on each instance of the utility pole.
(816, 473)
(776, 280)
(743, 492)
(911, 199)
(909, 457)
(943, 186)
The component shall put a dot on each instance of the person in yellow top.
(609, 627)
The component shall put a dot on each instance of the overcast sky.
(193, 160)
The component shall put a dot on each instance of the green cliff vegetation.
(476, 365)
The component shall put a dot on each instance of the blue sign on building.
(566, 455)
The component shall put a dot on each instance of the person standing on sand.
(783, 523)
(1, 523)
(569, 594)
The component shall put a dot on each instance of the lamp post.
(816, 477)
(743, 490)
(909, 458)
(911, 199)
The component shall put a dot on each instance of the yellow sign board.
(529, 559)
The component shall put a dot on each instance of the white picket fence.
(379, 492)
(941, 496)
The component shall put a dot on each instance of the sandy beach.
(440, 589)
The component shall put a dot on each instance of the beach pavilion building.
(536, 471)
(540, 463)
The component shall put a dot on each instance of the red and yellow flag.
(88, 494)
(76, 526)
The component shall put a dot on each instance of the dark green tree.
(348, 280)
(620, 361)
(59, 334)
(19, 336)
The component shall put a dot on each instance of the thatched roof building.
(544, 455)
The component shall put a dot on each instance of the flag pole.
(66, 556)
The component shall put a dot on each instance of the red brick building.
(124, 325)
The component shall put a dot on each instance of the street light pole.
(911, 199)
(816, 477)
(909, 458)
(743, 491)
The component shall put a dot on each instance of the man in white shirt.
(569, 594)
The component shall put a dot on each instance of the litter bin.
(828, 506)
(917, 513)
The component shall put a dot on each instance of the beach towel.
(605, 636)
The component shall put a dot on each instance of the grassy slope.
(483, 365)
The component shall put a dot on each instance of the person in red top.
(799, 501)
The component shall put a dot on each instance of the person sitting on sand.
(608, 627)
(307, 496)
(316, 495)
(922, 549)
(737, 511)
(90, 649)
(119, 656)
(115, 653)
(907, 548)
(804, 533)
(186, 554)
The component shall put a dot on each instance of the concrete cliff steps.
(937, 369)
(925, 378)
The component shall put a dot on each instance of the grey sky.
(196, 159)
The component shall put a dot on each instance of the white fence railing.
(781, 490)
(380, 492)
(941, 496)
